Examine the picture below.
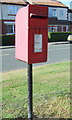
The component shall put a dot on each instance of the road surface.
(56, 53)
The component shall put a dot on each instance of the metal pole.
(30, 104)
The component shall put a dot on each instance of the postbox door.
(37, 45)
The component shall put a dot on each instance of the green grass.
(51, 92)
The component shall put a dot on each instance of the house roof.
(37, 2)
(48, 2)
(13, 2)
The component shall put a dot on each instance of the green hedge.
(7, 40)
(58, 36)
(52, 37)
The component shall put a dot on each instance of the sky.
(66, 2)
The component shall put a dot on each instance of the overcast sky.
(66, 2)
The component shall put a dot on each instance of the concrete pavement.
(6, 47)
(51, 43)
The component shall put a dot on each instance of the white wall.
(60, 13)
(64, 16)
(0, 12)
(70, 16)
(71, 5)
(9, 9)
(9, 13)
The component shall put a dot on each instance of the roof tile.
(38, 2)
(13, 1)
(50, 3)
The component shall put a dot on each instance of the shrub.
(7, 40)
(58, 36)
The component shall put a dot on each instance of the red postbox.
(32, 34)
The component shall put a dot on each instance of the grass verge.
(51, 92)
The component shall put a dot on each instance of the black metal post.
(30, 103)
